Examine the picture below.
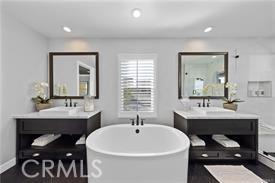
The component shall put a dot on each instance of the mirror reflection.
(73, 74)
(202, 74)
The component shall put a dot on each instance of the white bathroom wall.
(24, 61)
(167, 49)
(1, 76)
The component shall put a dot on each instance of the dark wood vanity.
(71, 128)
(242, 129)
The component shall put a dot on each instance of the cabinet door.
(222, 126)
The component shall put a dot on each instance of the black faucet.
(137, 122)
(142, 122)
(208, 102)
(66, 102)
(71, 103)
(203, 102)
(133, 121)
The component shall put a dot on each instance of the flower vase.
(230, 106)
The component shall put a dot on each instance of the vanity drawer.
(204, 154)
(42, 126)
(61, 155)
(222, 126)
(26, 154)
(238, 155)
(71, 155)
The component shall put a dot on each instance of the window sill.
(128, 115)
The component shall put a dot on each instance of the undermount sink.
(213, 110)
(57, 111)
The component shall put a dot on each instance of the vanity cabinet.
(243, 129)
(71, 128)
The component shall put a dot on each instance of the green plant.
(227, 101)
(40, 100)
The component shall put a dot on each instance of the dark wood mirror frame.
(180, 54)
(52, 54)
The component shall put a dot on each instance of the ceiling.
(159, 19)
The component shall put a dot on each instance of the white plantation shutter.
(137, 85)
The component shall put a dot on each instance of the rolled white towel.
(81, 141)
(225, 141)
(45, 139)
(196, 141)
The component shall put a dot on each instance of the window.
(137, 85)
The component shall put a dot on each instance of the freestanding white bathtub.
(157, 154)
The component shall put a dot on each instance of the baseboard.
(268, 161)
(9, 164)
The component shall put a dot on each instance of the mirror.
(202, 74)
(73, 74)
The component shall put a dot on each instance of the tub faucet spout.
(137, 120)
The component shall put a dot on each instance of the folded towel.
(196, 141)
(225, 141)
(81, 141)
(45, 139)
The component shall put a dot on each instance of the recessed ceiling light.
(136, 13)
(208, 29)
(214, 56)
(67, 29)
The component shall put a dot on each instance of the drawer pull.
(238, 155)
(204, 155)
(35, 155)
(69, 154)
(251, 126)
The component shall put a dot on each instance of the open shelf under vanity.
(32, 126)
(62, 148)
(242, 130)
(213, 150)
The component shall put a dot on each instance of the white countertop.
(196, 115)
(36, 115)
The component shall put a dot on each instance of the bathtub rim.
(122, 154)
